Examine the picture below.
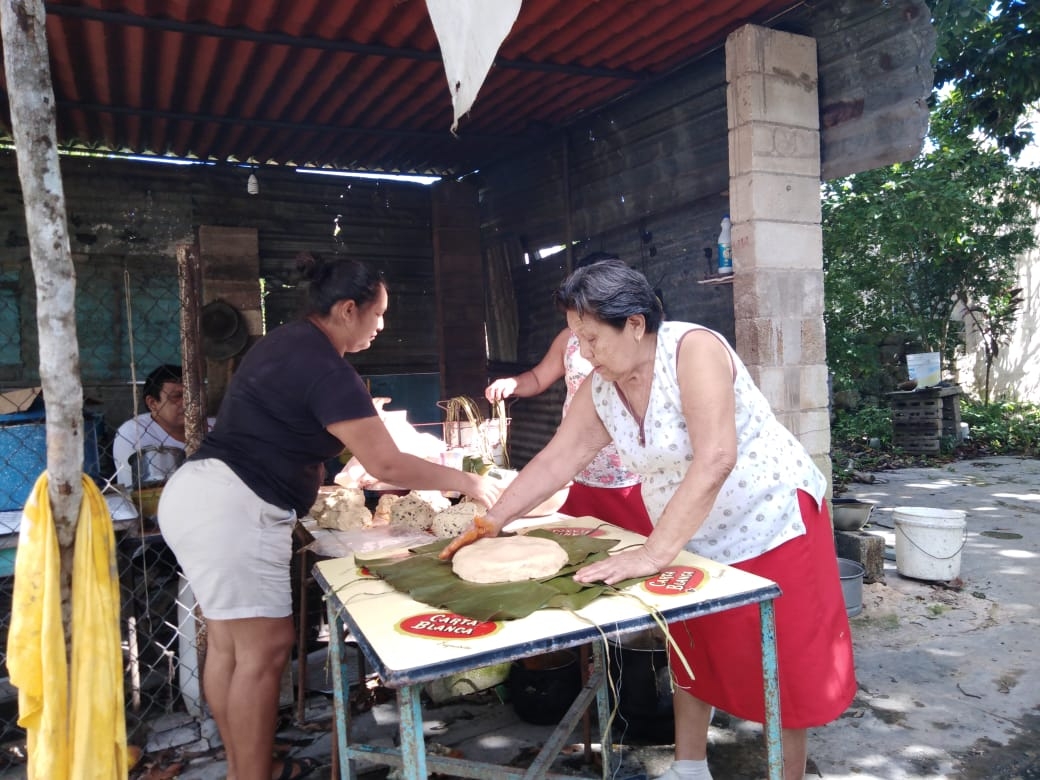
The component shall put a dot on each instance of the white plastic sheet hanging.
(469, 33)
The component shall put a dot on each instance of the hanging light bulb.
(253, 185)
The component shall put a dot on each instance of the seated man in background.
(162, 426)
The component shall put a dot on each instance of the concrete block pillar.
(774, 162)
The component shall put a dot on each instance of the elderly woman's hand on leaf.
(629, 564)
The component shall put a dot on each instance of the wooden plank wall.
(128, 218)
(875, 75)
(459, 290)
(645, 179)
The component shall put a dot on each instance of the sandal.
(296, 768)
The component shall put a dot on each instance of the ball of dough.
(383, 506)
(346, 518)
(412, 512)
(341, 508)
(508, 559)
(454, 520)
(434, 498)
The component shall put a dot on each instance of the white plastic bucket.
(929, 542)
(925, 367)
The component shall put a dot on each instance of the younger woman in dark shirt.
(293, 403)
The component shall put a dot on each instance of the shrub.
(861, 440)
(1002, 428)
(859, 427)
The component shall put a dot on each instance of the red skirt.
(814, 644)
(620, 506)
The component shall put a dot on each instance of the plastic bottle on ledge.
(725, 248)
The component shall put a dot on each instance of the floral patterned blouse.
(605, 470)
(757, 507)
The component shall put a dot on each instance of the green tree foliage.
(990, 53)
(907, 245)
(904, 245)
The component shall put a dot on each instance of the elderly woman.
(227, 514)
(721, 478)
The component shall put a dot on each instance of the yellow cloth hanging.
(36, 641)
(82, 735)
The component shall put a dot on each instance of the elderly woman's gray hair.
(611, 292)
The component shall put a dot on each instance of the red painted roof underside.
(353, 83)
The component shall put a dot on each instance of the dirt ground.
(947, 670)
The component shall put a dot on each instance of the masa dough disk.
(508, 559)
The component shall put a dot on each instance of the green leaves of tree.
(990, 52)
(904, 246)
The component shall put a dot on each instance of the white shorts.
(234, 548)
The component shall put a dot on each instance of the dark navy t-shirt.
(270, 429)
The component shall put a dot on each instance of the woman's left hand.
(622, 566)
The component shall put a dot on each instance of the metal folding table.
(409, 643)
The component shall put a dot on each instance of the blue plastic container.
(23, 454)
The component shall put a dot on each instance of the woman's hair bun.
(307, 264)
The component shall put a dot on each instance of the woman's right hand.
(500, 389)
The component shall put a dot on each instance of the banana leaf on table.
(426, 578)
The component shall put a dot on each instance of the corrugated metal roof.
(355, 84)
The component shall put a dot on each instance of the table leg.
(413, 745)
(340, 691)
(301, 639)
(602, 707)
(125, 563)
(586, 717)
(606, 746)
(770, 675)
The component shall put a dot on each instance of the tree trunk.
(31, 98)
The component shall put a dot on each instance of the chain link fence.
(127, 323)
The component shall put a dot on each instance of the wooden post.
(31, 97)
(189, 278)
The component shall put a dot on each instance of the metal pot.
(543, 687)
(851, 574)
(642, 685)
(850, 514)
(154, 465)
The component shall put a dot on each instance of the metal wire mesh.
(127, 323)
